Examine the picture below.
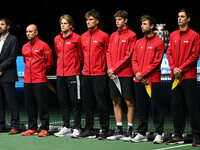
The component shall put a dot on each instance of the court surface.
(18, 142)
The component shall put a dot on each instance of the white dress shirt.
(2, 41)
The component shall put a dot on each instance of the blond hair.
(68, 18)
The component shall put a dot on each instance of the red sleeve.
(55, 46)
(48, 57)
(193, 57)
(159, 51)
(80, 52)
(135, 64)
(170, 55)
(24, 57)
(108, 55)
(127, 58)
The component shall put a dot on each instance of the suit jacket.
(8, 59)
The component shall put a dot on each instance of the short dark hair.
(187, 12)
(152, 20)
(6, 20)
(92, 13)
(121, 13)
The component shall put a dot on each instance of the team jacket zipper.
(30, 64)
(179, 48)
(89, 51)
(63, 57)
(118, 45)
(144, 55)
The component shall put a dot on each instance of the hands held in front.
(111, 74)
(141, 79)
(177, 72)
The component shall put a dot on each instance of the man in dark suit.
(8, 76)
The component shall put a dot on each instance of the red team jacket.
(69, 56)
(120, 51)
(147, 57)
(38, 60)
(94, 46)
(183, 52)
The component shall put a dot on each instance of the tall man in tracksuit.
(38, 61)
(69, 57)
(94, 86)
(182, 55)
(119, 56)
(146, 61)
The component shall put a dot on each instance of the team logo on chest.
(95, 41)
(186, 41)
(123, 41)
(68, 43)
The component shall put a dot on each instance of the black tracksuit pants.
(95, 93)
(36, 99)
(142, 106)
(185, 95)
(68, 89)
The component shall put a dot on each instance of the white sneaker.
(158, 139)
(117, 135)
(114, 137)
(63, 132)
(139, 138)
(126, 139)
(127, 136)
(75, 133)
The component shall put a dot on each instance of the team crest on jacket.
(85, 41)
(115, 41)
(140, 46)
(59, 43)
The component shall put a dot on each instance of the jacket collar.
(93, 31)
(70, 35)
(5, 37)
(186, 31)
(149, 38)
(123, 31)
(34, 41)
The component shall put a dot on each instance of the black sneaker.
(196, 141)
(127, 135)
(175, 140)
(87, 134)
(103, 134)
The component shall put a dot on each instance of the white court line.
(174, 147)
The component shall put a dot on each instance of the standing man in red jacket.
(94, 86)
(183, 54)
(146, 61)
(119, 56)
(38, 61)
(69, 58)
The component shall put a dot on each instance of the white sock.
(119, 123)
(130, 124)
